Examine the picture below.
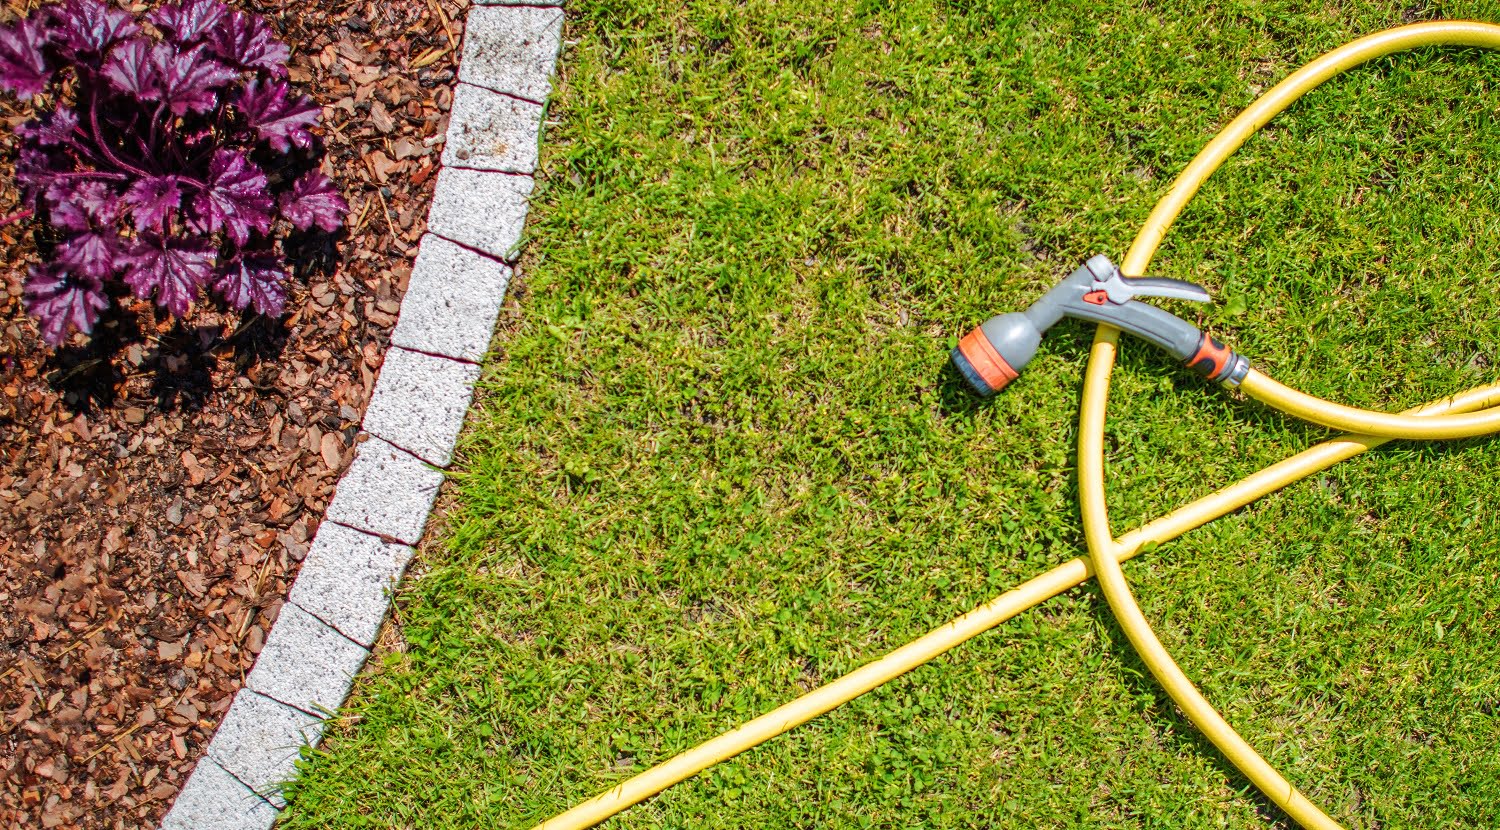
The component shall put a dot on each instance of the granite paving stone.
(512, 49)
(481, 209)
(386, 491)
(451, 301)
(213, 799)
(420, 401)
(305, 663)
(347, 578)
(260, 740)
(490, 131)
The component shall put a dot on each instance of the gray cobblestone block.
(452, 301)
(449, 310)
(512, 49)
(386, 491)
(306, 664)
(213, 799)
(260, 740)
(490, 131)
(419, 403)
(347, 578)
(482, 209)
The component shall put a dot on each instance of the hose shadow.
(1219, 403)
(954, 394)
(1182, 733)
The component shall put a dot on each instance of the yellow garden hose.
(1102, 547)
(1319, 411)
(1476, 412)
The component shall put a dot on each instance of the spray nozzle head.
(993, 355)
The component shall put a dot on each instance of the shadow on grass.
(1182, 732)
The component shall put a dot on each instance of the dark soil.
(160, 482)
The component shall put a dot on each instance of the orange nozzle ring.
(990, 366)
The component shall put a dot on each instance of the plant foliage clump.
(164, 152)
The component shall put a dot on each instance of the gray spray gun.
(992, 355)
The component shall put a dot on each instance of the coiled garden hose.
(1103, 549)
(993, 356)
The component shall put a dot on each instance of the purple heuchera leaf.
(257, 280)
(153, 199)
(188, 81)
(190, 21)
(81, 206)
(89, 210)
(129, 70)
(94, 254)
(51, 128)
(276, 117)
(23, 67)
(313, 200)
(246, 40)
(92, 26)
(236, 198)
(172, 268)
(60, 299)
(68, 215)
(38, 170)
(99, 200)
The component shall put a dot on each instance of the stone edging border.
(334, 611)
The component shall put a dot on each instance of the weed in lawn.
(719, 460)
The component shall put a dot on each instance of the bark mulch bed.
(160, 484)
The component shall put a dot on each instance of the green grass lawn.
(718, 458)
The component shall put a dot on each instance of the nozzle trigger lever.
(1121, 289)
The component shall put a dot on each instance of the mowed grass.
(718, 458)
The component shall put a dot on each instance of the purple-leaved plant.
(162, 157)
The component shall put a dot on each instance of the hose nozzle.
(993, 355)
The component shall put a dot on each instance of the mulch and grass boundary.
(164, 480)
